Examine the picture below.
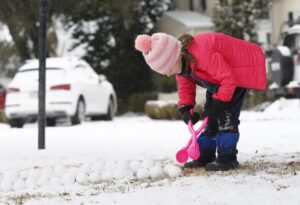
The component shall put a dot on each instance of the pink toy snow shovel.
(192, 148)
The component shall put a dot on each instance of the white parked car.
(73, 89)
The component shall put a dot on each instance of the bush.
(167, 84)
(256, 97)
(3, 118)
(137, 101)
(156, 110)
(166, 110)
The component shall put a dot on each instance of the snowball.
(82, 178)
(135, 166)
(12, 176)
(110, 166)
(143, 173)
(6, 185)
(43, 181)
(123, 165)
(23, 174)
(59, 170)
(68, 178)
(30, 183)
(73, 171)
(107, 176)
(174, 171)
(148, 163)
(95, 178)
(98, 166)
(19, 185)
(129, 174)
(55, 181)
(48, 172)
(86, 168)
(166, 168)
(119, 174)
(34, 174)
(156, 172)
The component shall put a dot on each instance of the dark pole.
(42, 73)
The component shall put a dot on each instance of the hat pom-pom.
(143, 43)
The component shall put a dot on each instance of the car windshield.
(31, 74)
(292, 41)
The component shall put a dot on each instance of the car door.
(85, 86)
(99, 92)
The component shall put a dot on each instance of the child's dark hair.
(185, 40)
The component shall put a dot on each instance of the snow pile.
(85, 174)
(161, 103)
(281, 109)
(284, 108)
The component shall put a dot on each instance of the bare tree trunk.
(20, 41)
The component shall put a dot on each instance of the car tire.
(16, 123)
(110, 110)
(51, 122)
(79, 114)
(96, 117)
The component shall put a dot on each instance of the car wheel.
(96, 117)
(18, 123)
(51, 122)
(80, 113)
(110, 110)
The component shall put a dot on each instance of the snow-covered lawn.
(106, 160)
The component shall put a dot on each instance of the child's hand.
(187, 116)
(215, 111)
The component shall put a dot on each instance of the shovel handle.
(190, 125)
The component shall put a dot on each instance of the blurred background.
(102, 33)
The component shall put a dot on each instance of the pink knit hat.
(160, 51)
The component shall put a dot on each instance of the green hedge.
(137, 101)
(165, 110)
(3, 118)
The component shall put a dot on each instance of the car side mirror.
(102, 78)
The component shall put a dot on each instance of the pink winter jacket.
(224, 61)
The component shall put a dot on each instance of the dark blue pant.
(230, 119)
(225, 134)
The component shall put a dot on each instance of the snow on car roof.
(58, 62)
(293, 29)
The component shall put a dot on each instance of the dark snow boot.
(202, 161)
(226, 149)
(218, 165)
(207, 146)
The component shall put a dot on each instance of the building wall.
(279, 14)
(169, 26)
(185, 5)
(182, 4)
(174, 28)
(209, 7)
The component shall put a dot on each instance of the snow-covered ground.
(108, 163)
